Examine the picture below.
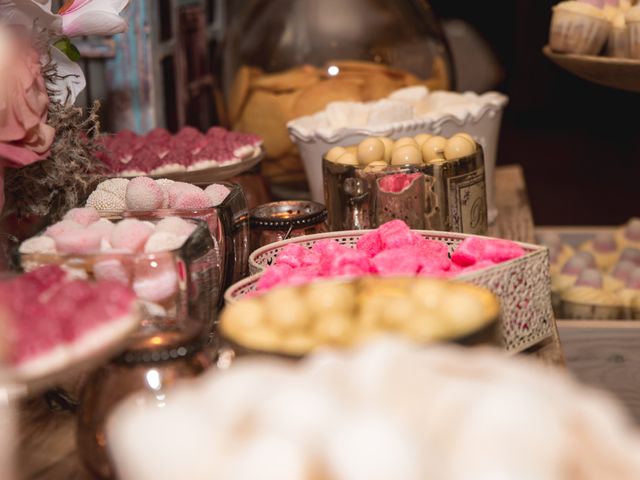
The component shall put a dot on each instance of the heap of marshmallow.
(159, 152)
(388, 410)
(392, 249)
(406, 104)
(144, 193)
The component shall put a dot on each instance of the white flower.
(69, 81)
(30, 13)
(93, 17)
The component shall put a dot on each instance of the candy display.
(51, 321)
(379, 412)
(144, 193)
(584, 27)
(601, 280)
(128, 154)
(296, 320)
(392, 249)
(429, 181)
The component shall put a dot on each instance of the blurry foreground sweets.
(386, 411)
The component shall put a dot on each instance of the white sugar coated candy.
(39, 244)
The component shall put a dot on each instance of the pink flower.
(25, 136)
(93, 17)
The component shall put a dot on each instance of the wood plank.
(605, 354)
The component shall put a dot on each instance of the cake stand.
(619, 73)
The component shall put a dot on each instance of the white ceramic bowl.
(481, 118)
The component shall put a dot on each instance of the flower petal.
(28, 12)
(72, 81)
(92, 23)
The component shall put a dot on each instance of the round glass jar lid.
(286, 214)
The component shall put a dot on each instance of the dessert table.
(47, 438)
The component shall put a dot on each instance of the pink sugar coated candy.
(84, 216)
(130, 234)
(575, 265)
(398, 182)
(302, 275)
(274, 275)
(622, 270)
(155, 283)
(217, 193)
(502, 250)
(370, 243)
(344, 262)
(468, 252)
(192, 200)
(296, 256)
(176, 225)
(590, 277)
(143, 193)
(604, 242)
(113, 270)
(326, 247)
(396, 233)
(178, 188)
(78, 241)
(62, 227)
(634, 279)
(104, 227)
(480, 265)
(397, 261)
(163, 242)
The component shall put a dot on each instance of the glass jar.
(153, 363)
(276, 221)
(289, 58)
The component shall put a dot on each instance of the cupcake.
(559, 252)
(578, 28)
(632, 19)
(629, 235)
(604, 250)
(568, 275)
(588, 299)
(630, 254)
(618, 41)
(630, 293)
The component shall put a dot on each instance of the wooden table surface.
(47, 439)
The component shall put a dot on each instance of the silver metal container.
(446, 195)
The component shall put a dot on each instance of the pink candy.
(398, 182)
(143, 193)
(370, 243)
(192, 200)
(83, 216)
(475, 249)
(344, 262)
(217, 193)
(62, 227)
(81, 242)
(296, 256)
(130, 234)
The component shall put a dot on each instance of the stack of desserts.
(585, 27)
(599, 280)
(158, 152)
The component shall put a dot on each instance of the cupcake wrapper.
(586, 311)
(618, 43)
(576, 33)
(634, 40)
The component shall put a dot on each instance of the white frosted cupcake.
(588, 299)
(579, 28)
(631, 255)
(629, 293)
(567, 276)
(629, 235)
(559, 252)
(604, 249)
(632, 19)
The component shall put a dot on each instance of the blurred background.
(576, 141)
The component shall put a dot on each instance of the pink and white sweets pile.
(392, 249)
(158, 152)
(122, 250)
(144, 193)
(51, 320)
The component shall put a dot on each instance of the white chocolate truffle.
(421, 138)
(347, 158)
(459, 147)
(388, 148)
(335, 153)
(370, 150)
(433, 148)
(406, 155)
(404, 141)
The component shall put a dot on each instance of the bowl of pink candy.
(169, 263)
(517, 273)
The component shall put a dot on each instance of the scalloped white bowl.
(481, 119)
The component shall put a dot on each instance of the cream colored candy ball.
(335, 153)
(434, 148)
(421, 138)
(370, 150)
(324, 297)
(286, 310)
(333, 328)
(401, 142)
(376, 166)
(347, 158)
(406, 155)
(458, 147)
(243, 315)
(352, 149)
(388, 148)
(465, 135)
